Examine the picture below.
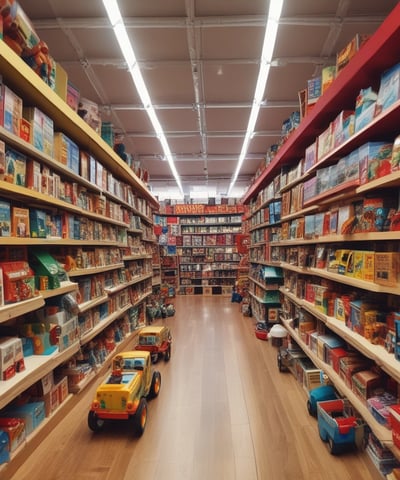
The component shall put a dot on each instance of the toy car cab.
(123, 394)
(319, 394)
(157, 340)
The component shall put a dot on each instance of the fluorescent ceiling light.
(125, 45)
(271, 30)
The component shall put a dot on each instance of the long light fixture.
(117, 23)
(271, 30)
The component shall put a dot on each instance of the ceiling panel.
(199, 60)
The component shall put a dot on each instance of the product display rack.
(208, 257)
(305, 258)
(121, 256)
(169, 272)
(202, 240)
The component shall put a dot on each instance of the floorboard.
(224, 412)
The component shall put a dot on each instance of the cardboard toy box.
(62, 389)
(32, 413)
(61, 82)
(89, 111)
(20, 222)
(19, 281)
(357, 315)
(73, 96)
(37, 221)
(350, 365)
(334, 356)
(374, 160)
(389, 90)
(10, 110)
(15, 429)
(364, 265)
(327, 343)
(15, 167)
(5, 218)
(343, 127)
(33, 175)
(379, 405)
(66, 151)
(365, 383)
(4, 447)
(347, 53)
(394, 412)
(325, 142)
(387, 268)
(44, 265)
(42, 129)
(7, 362)
(328, 75)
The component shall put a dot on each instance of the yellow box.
(368, 271)
(361, 264)
(61, 82)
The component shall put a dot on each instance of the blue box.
(73, 156)
(33, 414)
(4, 447)
(37, 223)
(389, 90)
(15, 167)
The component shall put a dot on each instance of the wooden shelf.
(27, 84)
(365, 68)
(383, 433)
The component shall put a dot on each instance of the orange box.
(387, 268)
(20, 222)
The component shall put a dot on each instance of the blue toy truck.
(338, 427)
(319, 394)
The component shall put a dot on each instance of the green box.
(44, 265)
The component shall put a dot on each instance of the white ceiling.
(200, 60)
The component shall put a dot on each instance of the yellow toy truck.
(123, 394)
(157, 340)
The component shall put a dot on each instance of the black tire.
(311, 412)
(139, 420)
(167, 354)
(155, 385)
(333, 448)
(280, 364)
(154, 357)
(95, 423)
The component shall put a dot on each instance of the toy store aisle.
(224, 412)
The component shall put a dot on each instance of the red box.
(394, 411)
(364, 383)
(349, 366)
(335, 354)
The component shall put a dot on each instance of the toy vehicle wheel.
(281, 367)
(139, 420)
(167, 355)
(333, 448)
(309, 408)
(155, 385)
(154, 357)
(95, 423)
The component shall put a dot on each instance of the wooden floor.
(224, 413)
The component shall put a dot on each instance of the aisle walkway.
(224, 413)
